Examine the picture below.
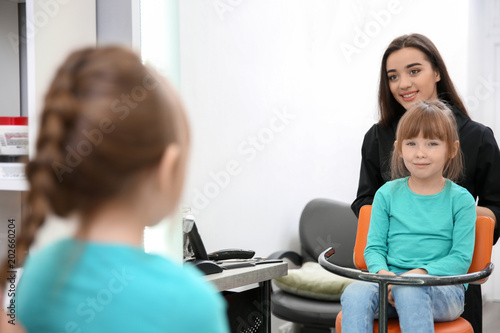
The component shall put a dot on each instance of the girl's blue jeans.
(416, 306)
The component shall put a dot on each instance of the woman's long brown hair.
(390, 110)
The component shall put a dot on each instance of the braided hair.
(106, 118)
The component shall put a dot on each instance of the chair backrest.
(326, 223)
(361, 236)
(482, 247)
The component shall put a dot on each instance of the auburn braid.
(118, 115)
(58, 117)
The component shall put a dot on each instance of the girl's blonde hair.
(435, 121)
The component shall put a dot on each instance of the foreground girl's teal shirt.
(77, 287)
(434, 232)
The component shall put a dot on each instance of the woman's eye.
(414, 71)
(433, 144)
(410, 143)
(393, 77)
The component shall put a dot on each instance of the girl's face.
(411, 77)
(424, 158)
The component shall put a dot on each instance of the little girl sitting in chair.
(421, 223)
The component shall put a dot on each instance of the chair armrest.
(425, 280)
(385, 280)
(294, 257)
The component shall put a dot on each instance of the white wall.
(53, 31)
(160, 21)
(280, 94)
(9, 60)
(118, 23)
(483, 98)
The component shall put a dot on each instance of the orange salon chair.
(479, 270)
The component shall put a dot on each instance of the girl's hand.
(390, 297)
(389, 287)
(384, 272)
(416, 271)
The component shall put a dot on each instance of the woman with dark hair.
(412, 70)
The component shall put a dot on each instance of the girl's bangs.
(427, 122)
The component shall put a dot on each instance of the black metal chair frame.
(384, 280)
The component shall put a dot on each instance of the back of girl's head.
(434, 120)
(106, 120)
(390, 109)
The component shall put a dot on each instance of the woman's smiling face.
(411, 77)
